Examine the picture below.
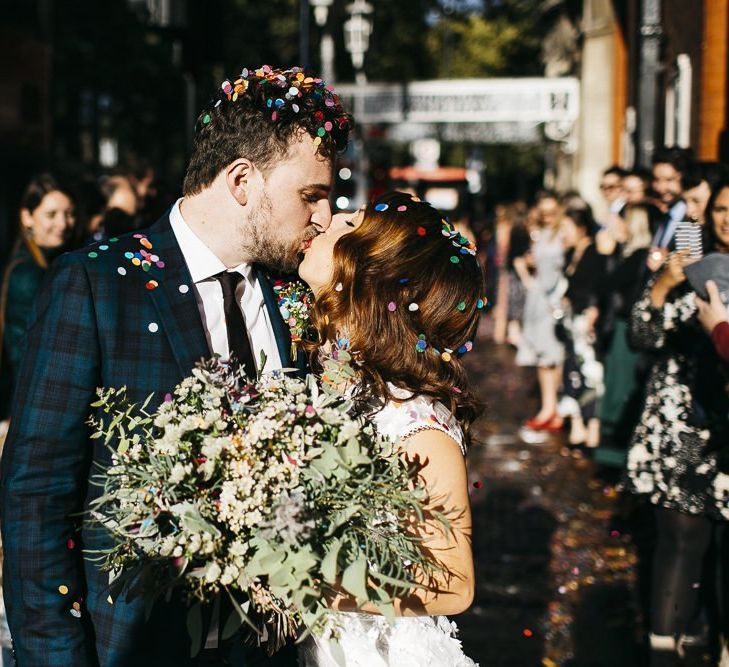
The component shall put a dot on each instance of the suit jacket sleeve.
(45, 470)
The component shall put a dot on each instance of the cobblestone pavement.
(556, 576)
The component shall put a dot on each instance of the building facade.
(653, 73)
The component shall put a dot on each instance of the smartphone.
(688, 237)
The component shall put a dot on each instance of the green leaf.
(242, 612)
(195, 628)
(232, 624)
(329, 563)
(354, 579)
(341, 517)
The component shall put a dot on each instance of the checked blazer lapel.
(174, 299)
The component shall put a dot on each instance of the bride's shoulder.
(408, 413)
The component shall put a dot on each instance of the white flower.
(178, 472)
(721, 483)
(212, 574)
(230, 574)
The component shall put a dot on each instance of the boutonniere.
(294, 302)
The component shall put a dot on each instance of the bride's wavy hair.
(409, 298)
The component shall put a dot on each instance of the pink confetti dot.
(392, 306)
(402, 208)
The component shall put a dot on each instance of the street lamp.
(326, 48)
(357, 31)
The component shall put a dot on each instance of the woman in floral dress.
(679, 455)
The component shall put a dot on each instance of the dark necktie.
(238, 344)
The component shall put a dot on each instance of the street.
(556, 575)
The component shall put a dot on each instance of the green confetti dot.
(455, 259)
(206, 119)
(321, 131)
(93, 254)
(462, 306)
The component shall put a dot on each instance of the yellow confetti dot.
(136, 261)
(76, 606)
(63, 590)
(445, 356)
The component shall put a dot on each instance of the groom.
(139, 311)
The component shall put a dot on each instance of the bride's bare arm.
(443, 471)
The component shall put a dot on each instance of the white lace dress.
(368, 640)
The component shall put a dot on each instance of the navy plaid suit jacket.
(95, 324)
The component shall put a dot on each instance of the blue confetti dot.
(381, 207)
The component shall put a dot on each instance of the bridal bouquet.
(272, 494)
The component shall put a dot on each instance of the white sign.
(524, 100)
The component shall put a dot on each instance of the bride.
(405, 289)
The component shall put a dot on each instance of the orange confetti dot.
(63, 590)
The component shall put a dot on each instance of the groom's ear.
(238, 176)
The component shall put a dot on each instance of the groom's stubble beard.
(264, 244)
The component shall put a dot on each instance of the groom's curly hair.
(408, 294)
(258, 115)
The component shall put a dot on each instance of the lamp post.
(357, 31)
(326, 46)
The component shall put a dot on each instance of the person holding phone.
(713, 316)
(678, 452)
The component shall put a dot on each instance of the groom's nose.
(321, 218)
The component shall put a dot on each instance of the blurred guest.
(619, 289)
(539, 345)
(46, 221)
(611, 187)
(47, 218)
(635, 185)
(502, 239)
(518, 271)
(669, 165)
(573, 200)
(678, 455)
(582, 374)
(119, 214)
(714, 317)
(697, 183)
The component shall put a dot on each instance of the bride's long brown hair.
(409, 298)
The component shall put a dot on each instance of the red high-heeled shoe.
(554, 425)
(539, 424)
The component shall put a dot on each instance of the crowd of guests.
(629, 359)
(55, 216)
(632, 361)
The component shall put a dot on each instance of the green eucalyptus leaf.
(354, 579)
(329, 567)
(195, 628)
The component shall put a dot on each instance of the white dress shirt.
(204, 265)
